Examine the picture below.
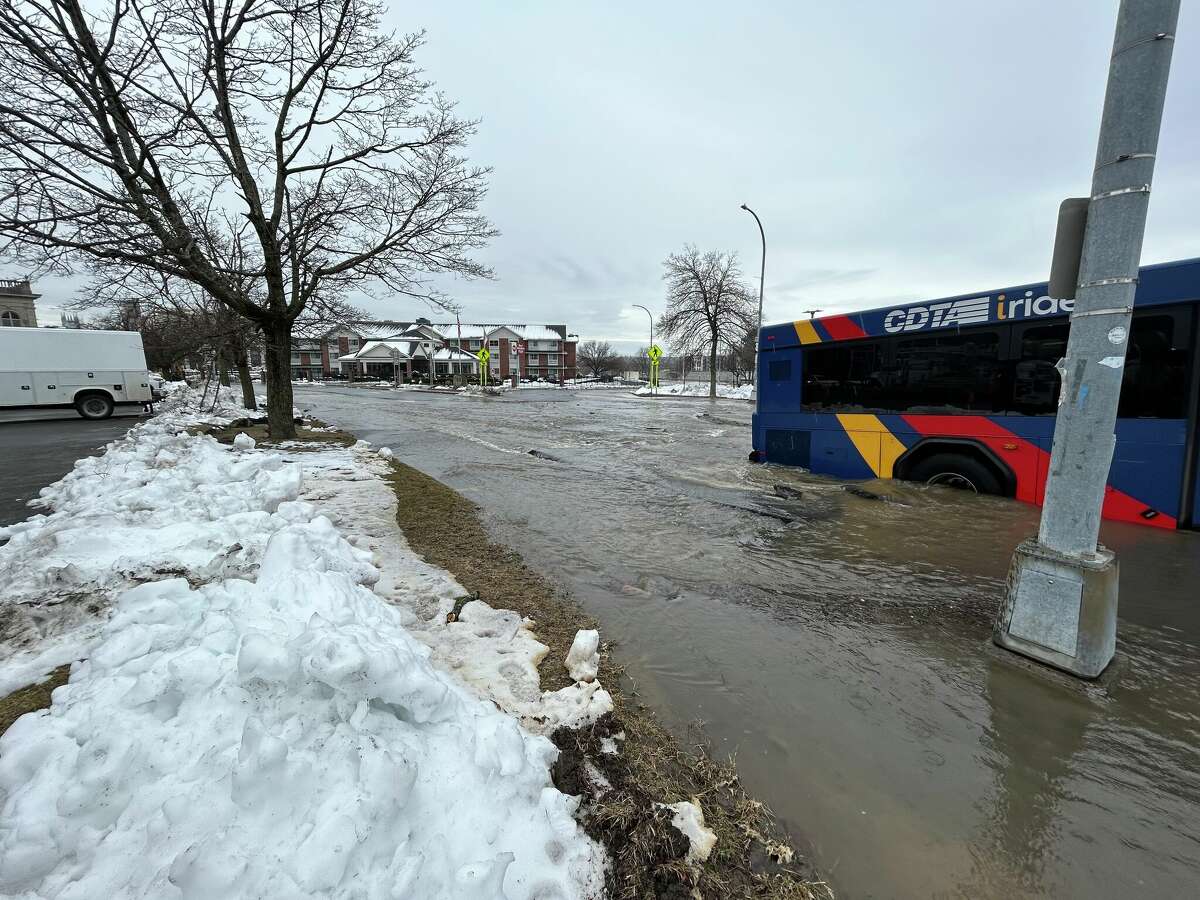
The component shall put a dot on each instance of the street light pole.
(762, 275)
(650, 315)
(1061, 602)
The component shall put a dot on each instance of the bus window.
(1035, 380)
(1154, 378)
(843, 376)
(948, 374)
(1154, 385)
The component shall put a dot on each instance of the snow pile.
(159, 503)
(583, 659)
(700, 389)
(272, 724)
(279, 737)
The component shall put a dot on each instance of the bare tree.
(743, 356)
(707, 304)
(176, 319)
(597, 357)
(267, 151)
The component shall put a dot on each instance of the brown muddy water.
(840, 645)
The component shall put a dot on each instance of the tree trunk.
(277, 344)
(712, 369)
(242, 360)
(222, 366)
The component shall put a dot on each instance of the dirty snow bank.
(268, 724)
(700, 389)
(494, 652)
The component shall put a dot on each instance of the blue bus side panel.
(780, 380)
(1144, 480)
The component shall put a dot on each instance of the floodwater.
(840, 644)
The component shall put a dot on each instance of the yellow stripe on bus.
(875, 444)
(806, 332)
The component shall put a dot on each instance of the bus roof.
(1169, 282)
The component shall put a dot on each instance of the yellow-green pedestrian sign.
(483, 356)
(655, 353)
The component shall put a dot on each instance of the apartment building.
(361, 348)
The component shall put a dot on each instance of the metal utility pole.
(1061, 603)
(651, 317)
(762, 274)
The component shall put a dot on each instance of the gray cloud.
(893, 151)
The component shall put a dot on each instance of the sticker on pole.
(655, 353)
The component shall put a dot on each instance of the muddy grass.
(257, 429)
(31, 698)
(750, 860)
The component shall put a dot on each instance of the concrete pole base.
(1060, 610)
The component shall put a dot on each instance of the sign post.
(483, 356)
(655, 353)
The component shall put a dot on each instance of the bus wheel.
(94, 406)
(958, 471)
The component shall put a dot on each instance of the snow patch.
(700, 389)
(689, 819)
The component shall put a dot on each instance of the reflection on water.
(839, 643)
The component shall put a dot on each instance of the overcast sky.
(894, 151)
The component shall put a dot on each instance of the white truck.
(50, 372)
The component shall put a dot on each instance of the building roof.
(386, 328)
(383, 350)
(538, 333)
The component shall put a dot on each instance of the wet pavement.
(840, 644)
(39, 453)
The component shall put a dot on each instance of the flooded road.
(840, 643)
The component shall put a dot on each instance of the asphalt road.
(36, 454)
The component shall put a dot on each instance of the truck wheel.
(94, 406)
(956, 470)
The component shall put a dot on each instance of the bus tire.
(957, 470)
(94, 405)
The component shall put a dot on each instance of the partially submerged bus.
(963, 391)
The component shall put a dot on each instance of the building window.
(9, 319)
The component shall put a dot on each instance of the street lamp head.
(745, 207)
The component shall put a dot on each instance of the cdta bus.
(963, 391)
